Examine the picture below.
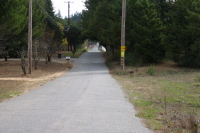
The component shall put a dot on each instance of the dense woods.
(49, 29)
(155, 29)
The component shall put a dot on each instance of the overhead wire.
(46, 13)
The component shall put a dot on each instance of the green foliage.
(144, 33)
(14, 25)
(182, 32)
(74, 36)
(152, 28)
(38, 19)
(13, 18)
(102, 22)
(76, 19)
(151, 70)
(46, 26)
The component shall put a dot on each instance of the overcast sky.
(62, 5)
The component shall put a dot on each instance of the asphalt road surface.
(85, 100)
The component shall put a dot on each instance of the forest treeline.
(155, 29)
(50, 30)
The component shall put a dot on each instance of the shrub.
(151, 70)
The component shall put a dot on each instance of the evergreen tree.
(52, 35)
(182, 32)
(102, 22)
(76, 19)
(144, 34)
(87, 17)
(74, 37)
(192, 58)
(38, 18)
(58, 15)
(13, 18)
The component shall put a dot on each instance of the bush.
(151, 70)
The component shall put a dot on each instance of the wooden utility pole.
(69, 21)
(123, 33)
(68, 13)
(30, 37)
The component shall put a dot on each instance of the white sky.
(62, 5)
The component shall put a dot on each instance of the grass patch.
(197, 78)
(12, 95)
(168, 101)
(9, 90)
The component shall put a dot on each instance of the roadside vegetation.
(165, 96)
(165, 93)
(51, 32)
(155, 30)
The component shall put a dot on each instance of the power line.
(46, 13)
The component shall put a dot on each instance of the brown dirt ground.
(13, 82)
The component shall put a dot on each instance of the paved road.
(85, 100)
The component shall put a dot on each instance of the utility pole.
(68, 13)
(30, 37)
(123, 47)
(69, 20)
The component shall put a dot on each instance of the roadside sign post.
(123, 34)
(122, 56)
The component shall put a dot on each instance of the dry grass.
(13, 82)
(169, 101)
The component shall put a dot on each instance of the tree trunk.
(68, 47)
(6, 58)
(23, 64)
(112, 49)
(49, 57)
(36, 64)
(46, 59)
(108, 49)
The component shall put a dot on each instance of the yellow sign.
(122, 54)
(123, 48)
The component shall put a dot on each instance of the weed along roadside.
(165, 96)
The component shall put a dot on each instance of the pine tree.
(87, 17)
(145, 34)
(102, 22)
(183, 31)
(13, 18)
